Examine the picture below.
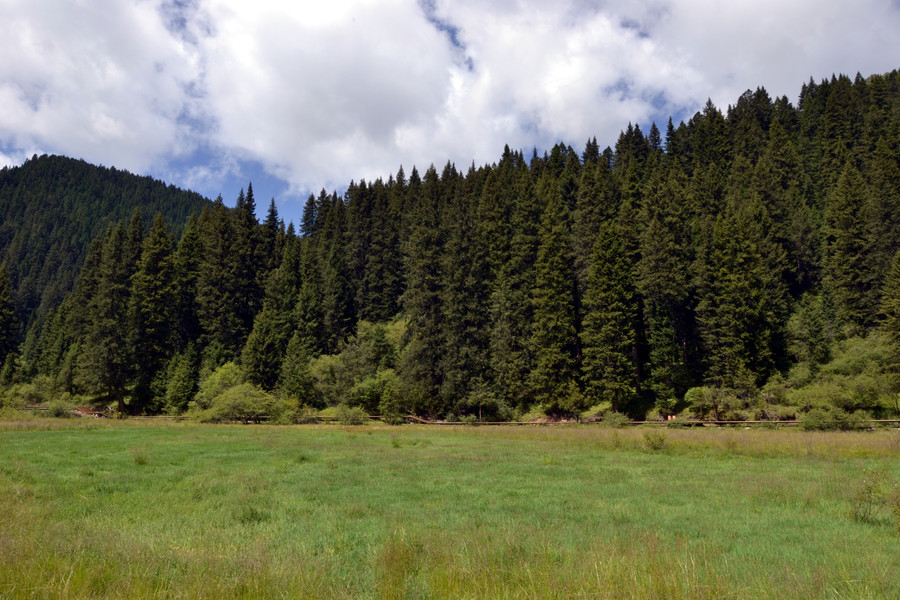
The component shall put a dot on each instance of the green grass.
(120, 510)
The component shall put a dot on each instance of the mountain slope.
(53, 206)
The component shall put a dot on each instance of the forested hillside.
(742, 264)
(54, 206)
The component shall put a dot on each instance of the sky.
(297, 96)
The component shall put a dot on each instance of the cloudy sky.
(300, 95)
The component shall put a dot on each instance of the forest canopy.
(743, 264)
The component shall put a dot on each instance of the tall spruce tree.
(422, 298)
(152, 307)
(554, 336)
(9, 321)
(609, 371)
(848, 249)
(105, 365)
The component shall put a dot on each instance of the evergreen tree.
(608, 334)
(422, 298)
(554, 336)
(295, 380)
(105, 362)
(219, 298)
(848, 251)
(890, 302)
(187, 265)
(182, 380)
(9, 322)
(247, 266)
(152, 307)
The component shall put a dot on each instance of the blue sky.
(300, 96)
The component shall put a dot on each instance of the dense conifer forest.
(741, 265)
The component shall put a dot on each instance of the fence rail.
(548, 423)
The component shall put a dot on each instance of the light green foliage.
(222, 379)
(351, 415)
(484, 405)
(358, 374)
(616, 420)
(829, 419)
(39, 392)
(391, 406)
(243, 403)
(857, 378)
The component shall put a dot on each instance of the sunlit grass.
(185, 511)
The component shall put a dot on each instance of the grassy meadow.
(100, 509)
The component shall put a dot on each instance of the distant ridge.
(53, 206)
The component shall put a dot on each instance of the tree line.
(743, 263)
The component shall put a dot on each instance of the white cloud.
(320, 93)
(100, 80)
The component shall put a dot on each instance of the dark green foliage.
(181, 384)
(750, 252)
(554, 336)
(847, 253)
(9, 321)
(295, 380)
(105, 365)
(54, 206)
(152, 310)
(608, 335)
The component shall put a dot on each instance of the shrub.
(223, 378)
(616, 420)
(351, 415)
(871, 496)
(699, 400)
(244, 403)
(655, 440)
(833, 419)
(60, 409)
(484, 405)
(390, 406)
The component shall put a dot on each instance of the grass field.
(124, 510)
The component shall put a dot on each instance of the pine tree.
(182, 380)
(9, 321)
(219, 298)
(890, 302)
(295, 380)
(422, 298)
(608, 334)
(248, 272)
(152, 307)
(187, 264)
(554, 336)
(465, 276)
(848, 251)
(105, 362)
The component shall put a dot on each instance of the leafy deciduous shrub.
(616, 420)
(60, 409)
(351, 415)
(223, 378)
(244, 402)
(833, 419)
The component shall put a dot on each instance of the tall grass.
(184, 511)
